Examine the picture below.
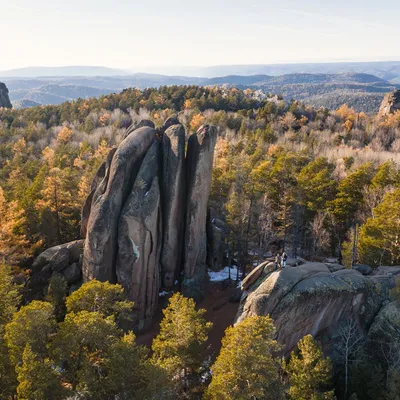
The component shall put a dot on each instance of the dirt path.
(221, 311)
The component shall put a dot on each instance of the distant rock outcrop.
(315, 299)
(4, 99)
(390, 104)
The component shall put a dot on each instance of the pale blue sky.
(130, 33)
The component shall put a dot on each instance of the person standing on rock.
(278, 261)
(284, 259)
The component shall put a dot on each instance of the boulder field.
(318, 298)
(144, 222)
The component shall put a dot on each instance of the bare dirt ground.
(221, 311)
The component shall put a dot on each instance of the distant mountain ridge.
(33, 72)
(387, 70)
(362, 91)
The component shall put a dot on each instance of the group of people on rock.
(280, 260)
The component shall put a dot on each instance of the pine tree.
(309, 372)
(349, 198)
(129, 375)
(9, 301)
(102, 297)
(37, 378)
(316, 184)
(183, 332)
(33, 324)
(56, 295)
(60, 200)
(13, 243)
(9, 296)
(246, 367)
(82, 341)
(380, 236)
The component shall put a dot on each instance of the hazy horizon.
(189, 66)
(132, 35)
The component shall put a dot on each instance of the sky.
(135, 34)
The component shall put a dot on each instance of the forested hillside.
(361, 91)
(282, 170)
(319, 184)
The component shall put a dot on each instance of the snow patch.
(218, 276)
(135, 249)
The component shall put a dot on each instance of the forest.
(321, 184)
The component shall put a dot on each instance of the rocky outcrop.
(4, 99)
(138, 216)
(390, 104)
(139, 240)
(65, 259)
(199, 165)
(173, 186)
(216, 243)
(100, 250)
(263, 269)
(99, 184)
(314, 299)
(383, 337)
(139, 124)
(363, 269)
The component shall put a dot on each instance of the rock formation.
(139, 240)
(314, 298)
(99, 182)
(100, 250)
(216, 241)
(199, 166)
(138, 217)
(173, 186)
(4, 99)
(390, 104)
(65, 259)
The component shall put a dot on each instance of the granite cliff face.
(317, 298)
(4, 99)
(144, 221)
(390, 104)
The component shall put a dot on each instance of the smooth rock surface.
(363, 269)
(200, 156)
(102, 234)
(98, 187)
(216, 245)
(139, 240)
(310, 299)
(172, 186)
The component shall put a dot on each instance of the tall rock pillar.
(139, 240)
(200, 156)
(173, 181)
(100, 249)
